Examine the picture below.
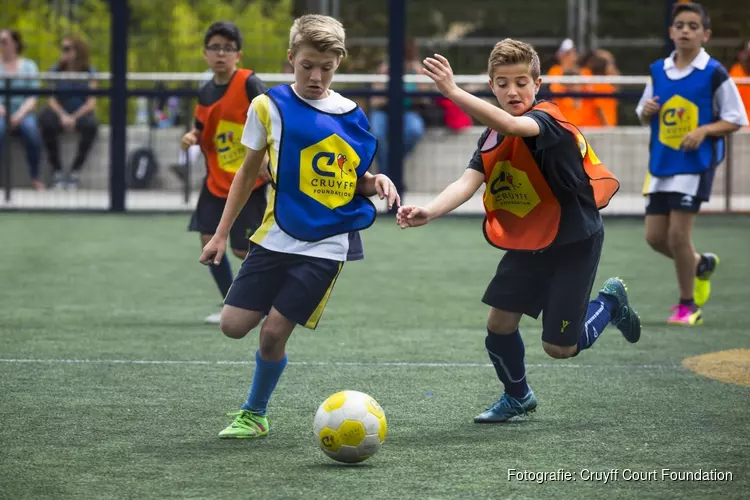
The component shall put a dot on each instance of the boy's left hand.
(693, 139)
(440, 71)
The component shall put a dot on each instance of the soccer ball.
(350, 426)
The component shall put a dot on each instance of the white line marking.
(363, 364)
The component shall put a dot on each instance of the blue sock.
(265, 378)
(222, 275)
(506, 353)
(597, 318)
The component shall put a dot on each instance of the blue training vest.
(321, 157)
(685, 105)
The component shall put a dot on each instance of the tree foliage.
(163, 36)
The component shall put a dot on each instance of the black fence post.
(6, 159)
(396, 41)
(118, 104)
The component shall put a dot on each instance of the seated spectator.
(65, 113)
(414, 123)
(741, 69)
(20, 117)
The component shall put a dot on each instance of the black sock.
(507, 355)
(687, 302)
(222, 275)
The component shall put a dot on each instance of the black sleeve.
(476, 159)
(550, 132)
(254, 87)
(198, 124)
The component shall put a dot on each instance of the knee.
(414, 130)
(88, 128)
(559, 352)
(272, 340)
(502, 324)
(31, 134)
(655, 240)
(235, 327)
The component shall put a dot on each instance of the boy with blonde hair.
(544, 187)
(319, 197)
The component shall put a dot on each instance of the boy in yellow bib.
(320, 149)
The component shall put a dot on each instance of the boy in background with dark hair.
(220, 117)
(691, 104)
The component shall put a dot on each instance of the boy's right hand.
(651, 107)
(188, 140)
(214, 250)
(412, 216)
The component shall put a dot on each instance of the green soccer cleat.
(246, 425)
(624, 317)
(703, 282)
(506, 408)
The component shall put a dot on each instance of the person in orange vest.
(544, 187)
(219, 121)
(741, 69)
(567, 56)
(600, 111)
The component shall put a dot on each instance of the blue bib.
(321, 157)
(685, 105)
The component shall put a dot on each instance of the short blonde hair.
(323, 33)
(511, 51)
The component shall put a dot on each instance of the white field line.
(363, 364)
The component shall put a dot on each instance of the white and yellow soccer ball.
(350, 426)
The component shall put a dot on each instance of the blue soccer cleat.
(624, 317)
(506, 408)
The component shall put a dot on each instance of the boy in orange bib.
(220, 116)
(544, 187)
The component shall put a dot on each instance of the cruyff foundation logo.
(677, 118)
(504, 182)
(510, 189)
(328, 171)
(229, 150)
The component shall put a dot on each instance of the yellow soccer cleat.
(703, 281)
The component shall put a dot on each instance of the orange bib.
(223, 124)
(522, 213)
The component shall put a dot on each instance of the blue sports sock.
(222, 275)
(506, 353)
(265, 378)
(597, 318)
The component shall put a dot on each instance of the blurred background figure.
(70, 113)
(741, 69)
(567, 65)
(20, 117)
(414, 123)
(600, 111)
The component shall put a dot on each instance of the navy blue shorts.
(297, 286)
(557, 281)
(208, 211)
(664, 203)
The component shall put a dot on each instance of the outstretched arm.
(452, 197)
(440, 71)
